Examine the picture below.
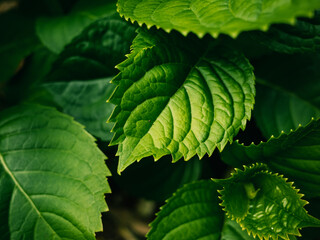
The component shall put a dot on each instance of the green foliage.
(178, 93)
(52, 181)
(189, 101)
(215, 16)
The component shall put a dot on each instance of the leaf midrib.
(17, 184)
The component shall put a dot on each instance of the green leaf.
(303, 37)
(191, 213)
(292, 92)
(295, 154)
(215, 16)
(56, 32)
(53, 176)
(232, 231)
(95, 52)
(164, 178)
(85, 101)
(179, 96)
(276, 209)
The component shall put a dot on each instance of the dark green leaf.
(17, 40)
(95, 52)
(85, 101)
(303, 37)
(56, 32)
(289, 94)
(295, 154)
(191, 213)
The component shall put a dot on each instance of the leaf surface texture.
(215, 16)
(52, 176)
(179, 96)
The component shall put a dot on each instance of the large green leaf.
(193, 212)
(303, 37)
(52, 176)
(94, 53)
(289, 94)
(85, 101)
(163, 177)
(295, 154)
(56, 32)
(215, 16)
(273, 209)
(179, 96)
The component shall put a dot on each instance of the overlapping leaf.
(86, 101)
(52, 176)
(289, 94)
(274, 209)
(179, 96)
(57, 32)
(94, 53)
(295, 154)
(91, 57)
(215, 16)
(303, 37)
(192, 213)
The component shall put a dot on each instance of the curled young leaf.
(276, 210)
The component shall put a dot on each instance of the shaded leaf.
(302, 37)
(164, 178)
(17, 41)
(53, 176)
(179, 96)
(95, 52)
(232, 230)
(191, 213)
(84, 100)
(56, 32)
(289, 94)
(295, 154)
